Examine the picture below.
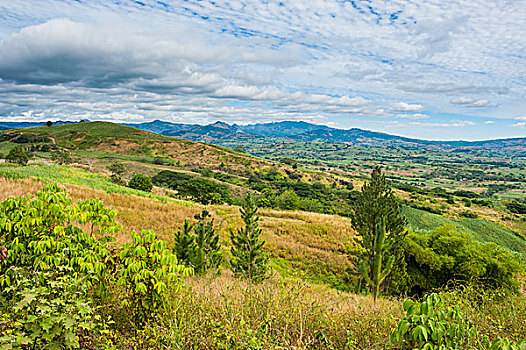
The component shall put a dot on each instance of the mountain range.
(287, 131)
(225, 134)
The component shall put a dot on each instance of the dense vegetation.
(208, 277)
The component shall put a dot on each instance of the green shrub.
(17, 155)
(446, 255)
(46, 311)
(141, 182)
(430, 325)
(148, 267)
(48, 264)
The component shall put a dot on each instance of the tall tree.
(376, 204)
(17, 155)
(374, 275)
(248, 259)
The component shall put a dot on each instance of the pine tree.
(377, 272)
(248, 259)
(207, 254)
(184, 245)
(377, 203)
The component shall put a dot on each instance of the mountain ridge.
(221, 133)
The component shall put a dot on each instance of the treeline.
(276, 190)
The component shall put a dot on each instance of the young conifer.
(208, 251)
(248, 259)
(184, 245)
(375, 204)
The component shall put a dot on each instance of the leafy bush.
(433, 260)
(39, 234)
(430, 325)
(147, 269)
(47, 310)
(17, 155)
(48, 263)
(141, 182)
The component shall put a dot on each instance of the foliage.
(49, 263)
(148, 267)
(40, 234)
(200, 189)
(17, 155)
(433, 260)
(141, 182)
(61, 156)
(431, 325)
(49, 123)
(375, 276)
(248, 259)
(46, 310)
(377, 204)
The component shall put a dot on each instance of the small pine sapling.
(184, 245)
(208, 251)
(248, 259)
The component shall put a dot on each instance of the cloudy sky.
(430, 69)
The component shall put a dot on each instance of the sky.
(434, 69)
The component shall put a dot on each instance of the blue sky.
(429, 69)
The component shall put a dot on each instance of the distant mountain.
(282, 129)
(225, 134)
(16, 125)
(221, 133)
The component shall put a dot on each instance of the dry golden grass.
(224, 312)
(309, 240)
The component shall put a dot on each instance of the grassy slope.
(223, 312)
(114, 139)
(309, 244)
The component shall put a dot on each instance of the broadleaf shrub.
(431, 325)
(148, 268)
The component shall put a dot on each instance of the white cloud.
(406, 107)
(469, 102)
(245, 59)
(489, 122)
(413, 116)
(520, 124)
